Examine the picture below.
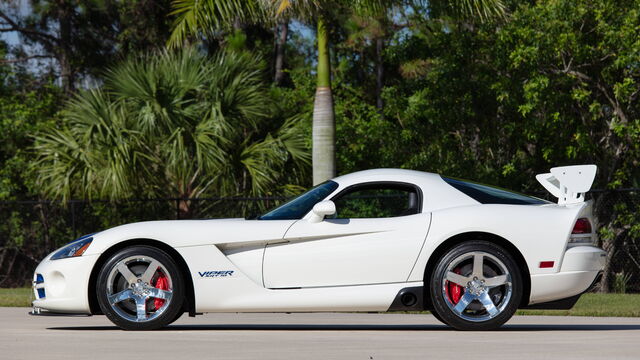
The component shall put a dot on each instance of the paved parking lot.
(316, 336)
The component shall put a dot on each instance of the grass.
(614, 305)
(16, 297)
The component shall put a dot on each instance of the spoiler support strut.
(568, 183)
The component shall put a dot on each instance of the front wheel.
(476, 286)
(140, 288)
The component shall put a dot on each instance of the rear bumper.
(580, 267)
(62, 285)
(566, 303)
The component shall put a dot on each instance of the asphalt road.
(316, 336)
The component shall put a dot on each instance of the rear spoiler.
(569, 183)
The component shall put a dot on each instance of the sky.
(12, 37)
(22, 7)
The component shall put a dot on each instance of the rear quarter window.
(486, 194)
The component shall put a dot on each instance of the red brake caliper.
(162, 283)
(454, 291)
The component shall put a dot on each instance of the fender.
(540, 233)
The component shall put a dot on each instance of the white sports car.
(375, 240)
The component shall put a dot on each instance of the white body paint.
(340, 264)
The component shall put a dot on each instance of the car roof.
(437, 194)
(387, 173)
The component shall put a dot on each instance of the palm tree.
(207, 16)
(195, 17)
(324, 125)
(171, 125)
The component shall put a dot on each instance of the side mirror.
(322, 209)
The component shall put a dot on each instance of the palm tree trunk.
(324, 126)
(280, 44)
(67, 72)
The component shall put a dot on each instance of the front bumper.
(61, 285)
(580, 267)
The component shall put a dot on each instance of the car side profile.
(374, 240)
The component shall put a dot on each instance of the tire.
(469, 296)
(175, 318)
(435, 315)
(140, 288)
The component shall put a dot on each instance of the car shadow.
(361, 327)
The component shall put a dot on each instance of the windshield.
(301, 205)
(485, 194)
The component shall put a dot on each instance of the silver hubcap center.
(139, 288)
(476, 286)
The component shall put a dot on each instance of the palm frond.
(206, 16)
(174, 123)
(469, 10)
(293, 140)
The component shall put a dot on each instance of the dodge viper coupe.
(375, 240)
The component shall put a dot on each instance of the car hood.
(183, 233)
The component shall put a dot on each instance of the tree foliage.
(556, 84)
(74, 40)
(491, 90)
(173, 125)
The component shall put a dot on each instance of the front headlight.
(73, 249)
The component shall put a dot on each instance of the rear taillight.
(582, 233)
(582, 226)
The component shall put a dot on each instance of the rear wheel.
(476, 286)
(140, 288)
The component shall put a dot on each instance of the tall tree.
(365, 32)
(24, 110)
(141, 25)
(280, 34)
(76, 34)
(79, 38)
(324, 125)
(206, 16)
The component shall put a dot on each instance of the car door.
(374, 238)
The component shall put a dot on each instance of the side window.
(377, 201)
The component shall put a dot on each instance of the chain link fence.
(618, 220)
(29, 230)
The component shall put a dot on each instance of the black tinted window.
(301, 205)
(485, 194)
(377, 201)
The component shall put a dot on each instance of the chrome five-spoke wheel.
(476, 286)
(140, 288)
(482, 292)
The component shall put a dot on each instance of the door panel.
(338, 252)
